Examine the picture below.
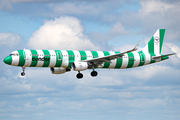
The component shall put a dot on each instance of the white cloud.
(174, 48)
(174, 59)
(148, 72)
(9, 39)
(62, 33)
(153, 15)
(76, 9)
(115, 31)
(157, 14)
(151, 6)
(124, 47)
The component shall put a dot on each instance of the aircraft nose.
(8, 60)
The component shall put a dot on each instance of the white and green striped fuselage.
(61, 61)
(65, 58)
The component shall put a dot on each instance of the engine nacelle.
(61, 70)
(80, 66)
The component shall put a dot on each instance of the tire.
(79, 75)
(94, 73)
(22, 74)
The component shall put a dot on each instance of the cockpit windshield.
(13, 54)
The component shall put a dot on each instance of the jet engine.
(61, 70)
(80, 66)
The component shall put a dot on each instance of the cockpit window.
(14, 54)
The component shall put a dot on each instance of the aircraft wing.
(100, 60)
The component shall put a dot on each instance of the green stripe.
(131, 60)
(118, 62)
(164, 58)
(142, 58)
(22, 57)
(8, 60)
(60, 59)
(83, 55)
(71, 57)
(151, 45)
(46, 58)
(34, 63)
(95, 54)
(106, 64)
(161, 34)
(152, 61)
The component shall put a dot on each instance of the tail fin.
(154, 46)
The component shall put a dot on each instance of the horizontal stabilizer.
(157, 57)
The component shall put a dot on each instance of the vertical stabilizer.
(154, 46)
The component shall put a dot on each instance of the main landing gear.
(23, 73)
(80, 75)
(94, 73)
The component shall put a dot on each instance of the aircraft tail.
(154, 46)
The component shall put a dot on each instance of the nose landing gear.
(23, 73)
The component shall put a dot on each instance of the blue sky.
(148, 92)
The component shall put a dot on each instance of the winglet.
(136, 47)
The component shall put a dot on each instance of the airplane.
(61, 61)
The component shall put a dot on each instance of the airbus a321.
(61, 61)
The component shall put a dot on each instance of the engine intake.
(60, 70)
(80, 66)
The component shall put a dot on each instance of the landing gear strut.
(23, 73)
(79, 75)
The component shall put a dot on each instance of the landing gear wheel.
(79, 75)
(23, 74)
(94, 73)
